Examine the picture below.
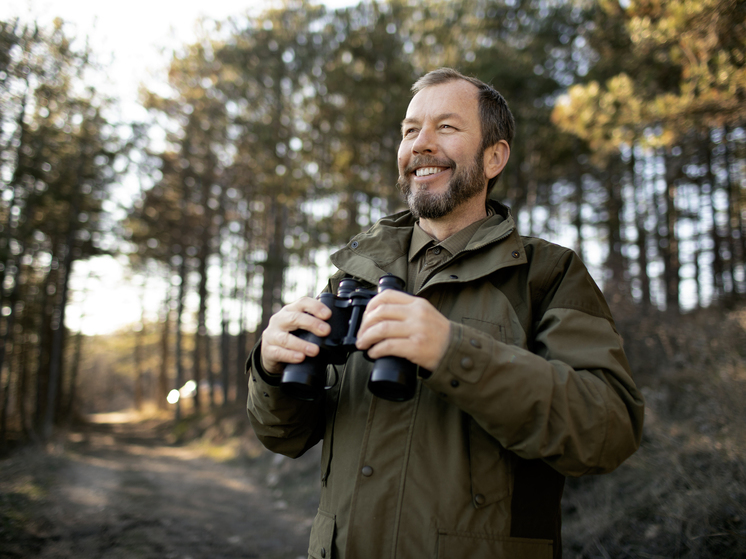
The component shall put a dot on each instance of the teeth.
(425, 171)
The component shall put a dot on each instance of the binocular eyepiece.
(392, 378)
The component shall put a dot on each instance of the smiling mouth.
(427, 171)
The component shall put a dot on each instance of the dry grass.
(683, 494)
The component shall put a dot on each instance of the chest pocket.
(494, 315)
(497, 331)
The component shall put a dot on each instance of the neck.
(442, 228)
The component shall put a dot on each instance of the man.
(523, 379)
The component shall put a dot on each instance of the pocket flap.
(322, 536)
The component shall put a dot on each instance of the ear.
(495, 158)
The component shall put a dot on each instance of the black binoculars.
(392, 378)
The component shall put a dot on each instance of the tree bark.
(274, 266)
(162, 391)
(717, 258)
(179, 333)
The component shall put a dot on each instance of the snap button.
(479, 499)
(323, 552)
(367, 471)
(354, 244)
(266, 395)
(467, 363)
(516, 254)
(454, 383)
(475, 343)
(436, 250)
(453, 277)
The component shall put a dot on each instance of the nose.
(425, 141)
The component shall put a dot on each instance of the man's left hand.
(402, 325)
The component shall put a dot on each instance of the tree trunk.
(274, 266)
(615, 259)
(44, 347)
(74, 371)
(210, 377)
(578, 201)
(734, 222)
(179, 333)
(642, 234)
(58, 338)
(162, 391)
(7, 338)
(139, 363)
(200, 363)
(224, 333)
(671, 262)
(24, 372)
(5, 388)
(717, 258)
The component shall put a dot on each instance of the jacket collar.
(383, 249)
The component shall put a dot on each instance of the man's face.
(441, 163)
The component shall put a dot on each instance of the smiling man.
(522, 379)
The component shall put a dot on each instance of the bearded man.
(521, 375)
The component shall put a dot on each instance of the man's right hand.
(279, 346)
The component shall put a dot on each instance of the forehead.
(456, 97)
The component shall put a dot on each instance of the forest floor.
(119, 487)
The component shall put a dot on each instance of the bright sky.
(130, 37)
(133, 40)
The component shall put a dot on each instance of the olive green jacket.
(534, 386)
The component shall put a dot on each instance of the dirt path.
(119, 491)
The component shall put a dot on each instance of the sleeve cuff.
(254, 367)
(466, 359)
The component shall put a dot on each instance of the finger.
(424, 350)
(390, 308)
(307, 322)
(305, 314)
(427, 356)
(280, 348)
(280, 345)
(390, 296)
(380, 328)
(391, 346)
(313, 307)
(290, 353)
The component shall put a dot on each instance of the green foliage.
(59, 156)
(363, 94)
(682, 69)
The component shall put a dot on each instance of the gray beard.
(465, 184)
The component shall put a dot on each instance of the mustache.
(428, 161)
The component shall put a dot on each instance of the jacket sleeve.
(569, 399)
(283, 424)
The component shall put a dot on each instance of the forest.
(272, 141)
